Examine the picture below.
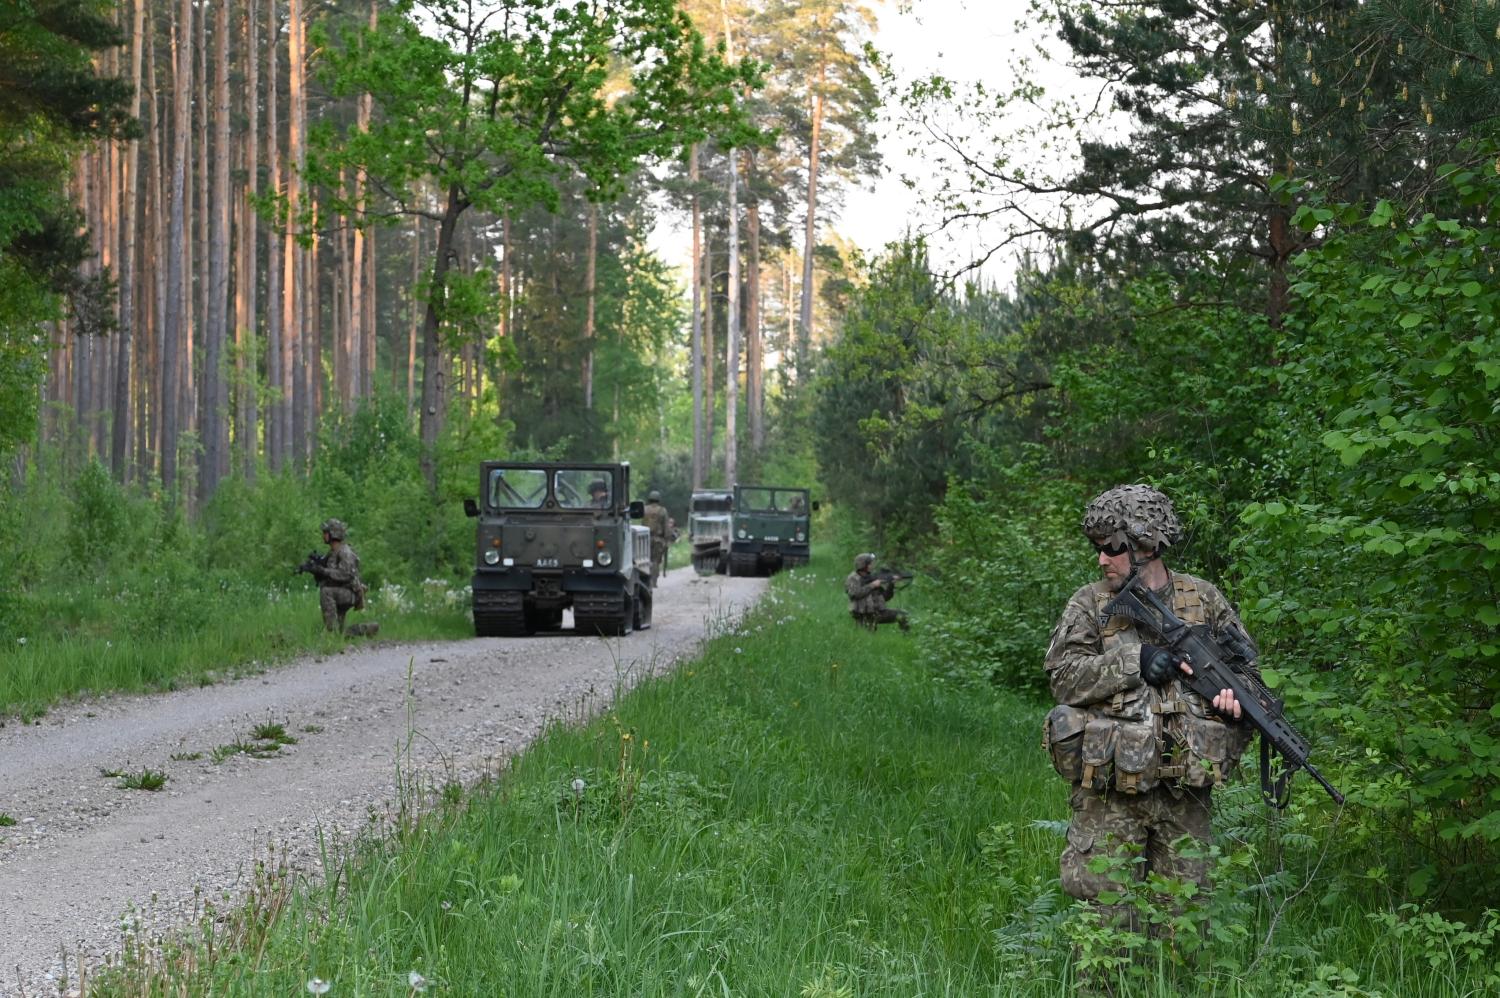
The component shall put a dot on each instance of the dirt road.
(85, 850)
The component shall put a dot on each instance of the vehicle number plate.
(546, 563)
(768, 537)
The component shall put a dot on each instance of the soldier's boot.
(342, 613)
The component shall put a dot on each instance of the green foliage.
(99, 519)
(1007, 557)
(52, 101)
(1390, 377)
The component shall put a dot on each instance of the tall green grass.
(802, 811)
(98, 653)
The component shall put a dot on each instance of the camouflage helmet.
(1132, 516)
(863, 560)
(334, 528)
(653, 496)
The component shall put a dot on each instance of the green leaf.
(1411, 319)
(1471, 289)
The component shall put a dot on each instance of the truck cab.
(553, 536)
(771, 529)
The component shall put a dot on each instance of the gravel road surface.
(85, 850)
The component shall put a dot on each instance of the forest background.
(1266, 287)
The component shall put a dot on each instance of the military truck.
(709, 515)
(770, 529)
(553, 536)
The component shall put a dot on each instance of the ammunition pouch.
(1201, 751)
(1116, 754)
(1062, 737)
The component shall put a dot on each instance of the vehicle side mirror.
(817, 505)
(471, 508)
(637, 510)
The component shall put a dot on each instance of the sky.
(966, 40)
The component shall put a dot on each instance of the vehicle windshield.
(584, 489)
(773, 500)
(517, 488)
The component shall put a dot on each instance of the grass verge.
(802, 811)
(241, 637)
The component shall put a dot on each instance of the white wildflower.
(318, 986)
(416, 981)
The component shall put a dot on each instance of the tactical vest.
(1143, 737)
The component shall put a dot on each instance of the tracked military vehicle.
(709, 516)
(556, 536)
(770, 529)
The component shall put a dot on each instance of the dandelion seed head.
(318, 986)
(416, 981)
(579, 785)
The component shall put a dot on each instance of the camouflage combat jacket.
(342, 570)
(1111, 729)
(655, 518)
(866, 593)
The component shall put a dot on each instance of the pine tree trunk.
(809, 241)
(588, 318)
(434, 391)
(312, 342)
(173, 337)
(755, 399)
(294, 332)
(120, 436)
(732, 333)
(732, 306)
(708, 356)
(246, 352)
(148, 422)
(276, 376)
(699, 463)
(364, 252)
(411, 338)
(216, 333)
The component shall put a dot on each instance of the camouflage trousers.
(335, 602)
(658, 560)
(884, 615)
(1148, 825)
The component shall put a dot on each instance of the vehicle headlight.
(492, 557)
(605, 558)
(742, 533)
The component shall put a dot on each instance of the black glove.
(1158, 665)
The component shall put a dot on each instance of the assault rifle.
(1225, 662)
(892, 579)
(316, 562)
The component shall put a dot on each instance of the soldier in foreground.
(656, 520)
(868, 592)
(339, 586)
(1142, 751)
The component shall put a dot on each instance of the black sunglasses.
(1113, 550)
